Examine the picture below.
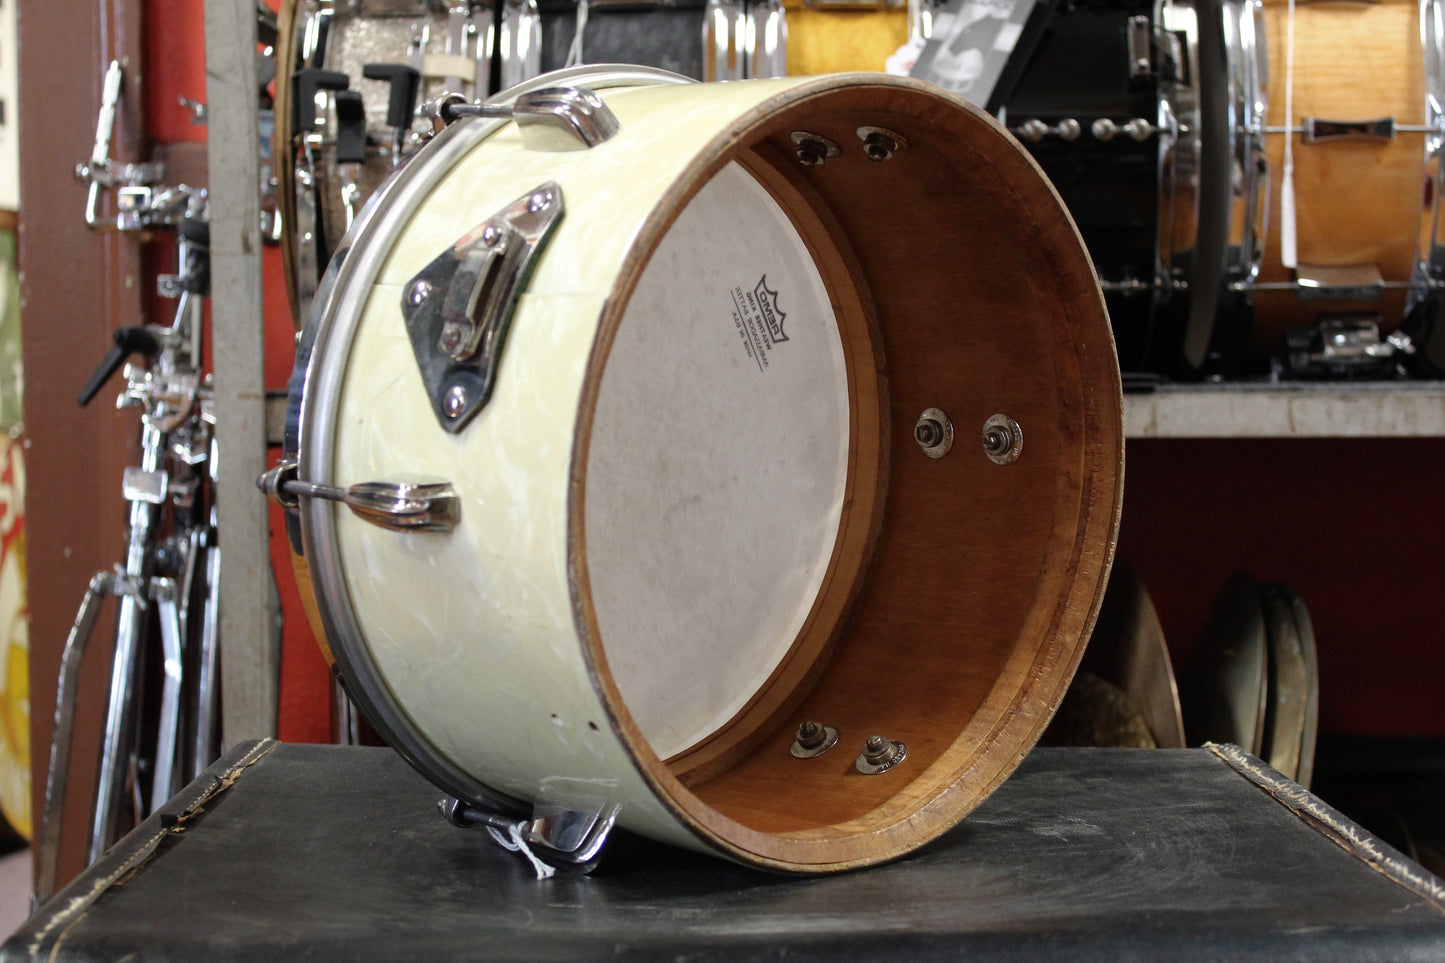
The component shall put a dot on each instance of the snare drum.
(1146, 117)
(350, 77)
(1366, 129)
(707, 503)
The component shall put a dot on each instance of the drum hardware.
(743, 40)
(403, 84)
(519, 41)
(1317, 130)
(1152, 55)
(1344, 344)
(459, 307)
(456, 66)
(398, 506)
(1130, 287)
(879, 754)
(1137, 129)
(812, 149)
(934, 433)
(1003, 440)
(101, 173)
(813, 739)
(171, 532)
(1359, 281)
(310, 178)
(1034, 130)
(568, 836)
(1314, 282)
(1139, 37)
(880, 144)
(552, 118)
(350, 148)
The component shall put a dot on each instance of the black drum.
(1147, 117)
(701, 39)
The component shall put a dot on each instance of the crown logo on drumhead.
(773, 316)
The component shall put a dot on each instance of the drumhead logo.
(759, 318)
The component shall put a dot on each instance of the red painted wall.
(1356, 527)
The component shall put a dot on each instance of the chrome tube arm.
(163, 783)
(47, 853)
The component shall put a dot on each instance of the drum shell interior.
(961, 284)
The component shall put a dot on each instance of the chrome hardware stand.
(172, 556)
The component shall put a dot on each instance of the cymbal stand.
(172, 555)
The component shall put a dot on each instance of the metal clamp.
(574, 837)
(459, 307)
(396, 506)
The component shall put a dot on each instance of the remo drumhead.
(748, 478)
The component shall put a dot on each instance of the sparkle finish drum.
(751, 474)
(341, 127)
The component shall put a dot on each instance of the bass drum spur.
(756, 534)
(1147, 116)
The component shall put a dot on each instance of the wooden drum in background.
(730, 477)
(1361, 202)
(830, 36)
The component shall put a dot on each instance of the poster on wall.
(14, 642)
(9, 109)
(979, 47)
(14, 609)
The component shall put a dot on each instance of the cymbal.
(1128, 649)
(1222, 688)
(1288, 684)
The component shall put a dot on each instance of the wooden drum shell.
(1357, 202)
(964, 590)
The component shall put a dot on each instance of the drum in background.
(1145, 117)
(350, 76)
(701, 39)
(832, 36)
(1365, 148)
(641, 569)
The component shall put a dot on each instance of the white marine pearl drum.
(732, 475)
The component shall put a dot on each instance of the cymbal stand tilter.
(172, 555)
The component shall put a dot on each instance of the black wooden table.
(329, 853)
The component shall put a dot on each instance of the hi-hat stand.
(167, 588)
